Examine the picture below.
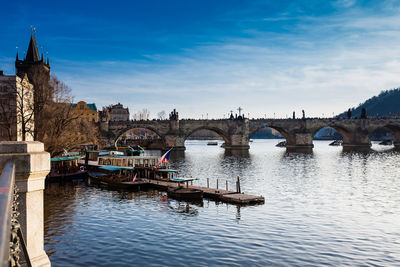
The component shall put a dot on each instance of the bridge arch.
(345, 133)
(394, 130)
(139, 126)
(220, 132)
(281, 130)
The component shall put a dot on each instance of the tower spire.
(16, 58)
(32, 55)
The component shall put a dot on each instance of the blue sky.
(213, 56)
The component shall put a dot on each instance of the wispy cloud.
(324, 65)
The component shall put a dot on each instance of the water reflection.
(177, 155)
(238, 216)
(356, 149)
(328, 207)
(305, 150)
(184, 208)
(243, 153)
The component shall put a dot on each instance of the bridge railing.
(11, 239)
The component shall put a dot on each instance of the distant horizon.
(206, 58)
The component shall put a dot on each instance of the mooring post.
(187, 184)
(226, 185)
(217, 183)
(238, 185)
(208, 182)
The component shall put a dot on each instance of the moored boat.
(117, 177)
(281, 144)
(336, 143)
(386, 143)
(212, 143)
(66, 169)
(181, 192)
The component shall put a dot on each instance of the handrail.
(7, 179)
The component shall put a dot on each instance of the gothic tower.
(38, 71)
(33, 65)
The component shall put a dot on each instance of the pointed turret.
(32, 54)
(48, 62)
(16, 58)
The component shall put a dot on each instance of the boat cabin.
(113, 175)
(63, 167)
(165, 174)
(122, 171)
(128, 161)
(93, 155)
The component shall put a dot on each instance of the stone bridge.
(237, 132)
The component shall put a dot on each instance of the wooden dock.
(212, 193)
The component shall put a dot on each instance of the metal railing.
(11, 238)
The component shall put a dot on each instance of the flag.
(164, 158)
(134, 178)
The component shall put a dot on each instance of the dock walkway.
(212, 193)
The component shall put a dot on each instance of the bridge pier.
(175, 141)
(237, 142)
(356, 140)
(396, 141)
(299, 142)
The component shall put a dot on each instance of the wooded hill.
(387, 103)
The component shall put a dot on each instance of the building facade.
(115, 113)
(16, 108)
(85, 111)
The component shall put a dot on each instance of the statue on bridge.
(231, 117)
(174, 115)
(349, 114)
(363, 113)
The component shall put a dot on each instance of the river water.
(324, 208)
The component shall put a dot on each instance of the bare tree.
(25, 108)
(64, 128)
(17, 108)
(43, 96)
(161, 115)
(144, 114)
